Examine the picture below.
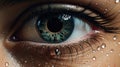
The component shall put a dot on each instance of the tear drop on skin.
(94, 58)
(117, 1)
(6, 64)
(103, 45)
(119, 42)
(111, 50)
(107, 54)
(114, 38)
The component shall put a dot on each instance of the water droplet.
(107, 54)
(39, 65)
(119, 43)
(96, 3)
(117, 1)
(114, 38)
(53, 66)
(25, 61)
(57, 51)
(98, 48)
(111, 50)
(103, 45)
(93, 51)
(6, 64)
(94, 58)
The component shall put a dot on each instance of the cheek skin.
(5, 58)
(108, 56)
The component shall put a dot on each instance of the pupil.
(54, 24)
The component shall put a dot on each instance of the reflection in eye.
(59, 25)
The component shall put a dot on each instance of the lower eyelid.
(66, 51)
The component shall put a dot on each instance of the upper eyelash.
(98, 20)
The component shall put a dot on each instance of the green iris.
(55, 28)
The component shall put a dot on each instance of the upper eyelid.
(87, 3)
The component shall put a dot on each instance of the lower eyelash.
(78, 49)
(64, 52)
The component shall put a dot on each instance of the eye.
(56, 23)
(54, 30)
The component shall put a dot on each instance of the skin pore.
(14, 55)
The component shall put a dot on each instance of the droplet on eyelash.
(6, 64)
(103, 45)
(94, 58)
(57, 51)
(114, 38)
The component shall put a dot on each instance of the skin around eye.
(58, 53)
(52, 52)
